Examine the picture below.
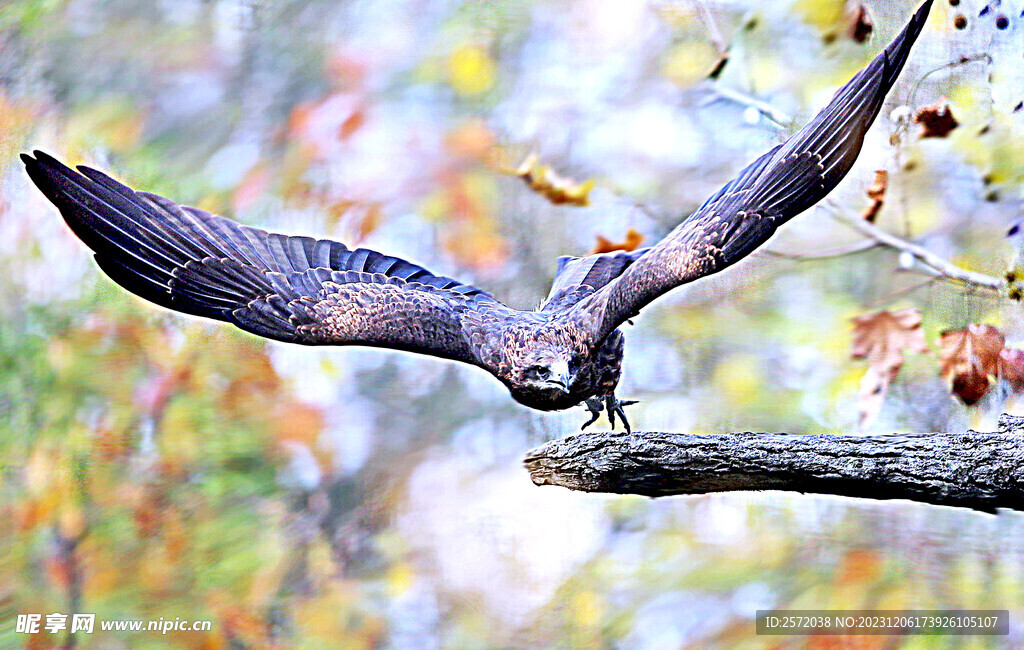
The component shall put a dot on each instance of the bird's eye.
(1014, 230)
(540, 372)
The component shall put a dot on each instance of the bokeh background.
(157, 465)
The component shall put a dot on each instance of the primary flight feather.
(318, 292)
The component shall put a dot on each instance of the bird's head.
(547, 372)
(544, 380)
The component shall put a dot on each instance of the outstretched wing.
(773, 189)
(294, 289)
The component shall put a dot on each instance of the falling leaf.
(881, 338)
(605, 245)
(969, 357)
(936, 120)
(861, 25)
(557, 189)
(877, 195)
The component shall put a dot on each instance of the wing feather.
(289, 288)
(773, 189)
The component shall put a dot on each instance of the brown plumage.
(318, 292)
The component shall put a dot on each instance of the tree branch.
(930, 260)
(861, 246)
(774, 114)
(930, 264)
(984, 471)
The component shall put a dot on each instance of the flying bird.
(567, 352)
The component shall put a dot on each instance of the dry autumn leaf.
(881, 338)
(936, 120)
(630, 243)
(969, 358)
(557, 189)
(861, 25)
(877, 195)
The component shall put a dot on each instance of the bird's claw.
(595, 407)
(610, 404)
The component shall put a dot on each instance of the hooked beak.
(560, 376)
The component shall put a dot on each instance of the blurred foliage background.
(156, 465)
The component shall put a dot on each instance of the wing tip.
(897, 52)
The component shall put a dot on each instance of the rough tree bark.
(984, 471)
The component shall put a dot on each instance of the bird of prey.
(567, 352)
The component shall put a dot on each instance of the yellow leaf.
(690, 62)
(471, 71)
(555, 188)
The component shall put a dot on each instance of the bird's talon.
(612, 407)
(594, 406)
(611, 404)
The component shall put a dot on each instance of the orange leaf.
(968, 358)
(861, 25)
(936, 120)
(877, 195)
(557, 189)
(881, 338)
(605, 245)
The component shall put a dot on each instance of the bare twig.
(709, 21)
(964, 60)
(932, 262)
(827, 253)
(774, 114)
